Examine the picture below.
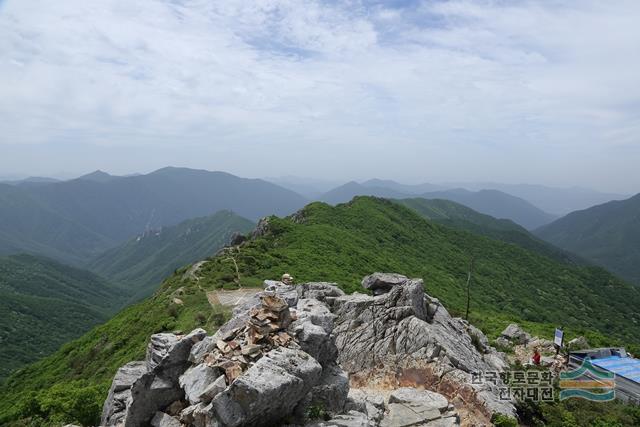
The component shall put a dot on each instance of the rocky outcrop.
(514, 334)
(140, 389)
(294, 353)
(274, 359)
(405, 337)
(578, 343)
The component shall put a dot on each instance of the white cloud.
(487, 90)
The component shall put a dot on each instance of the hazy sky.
(513, 91)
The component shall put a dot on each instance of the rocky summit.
(309, 355)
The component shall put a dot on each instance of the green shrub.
(501, 420)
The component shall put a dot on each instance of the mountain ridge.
(144, 260)
(78, 219)
(491, 202)
(455, 215)
(608, 234)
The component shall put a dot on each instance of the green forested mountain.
(44, 304)
(341, 244)
(607, 234)
(75, 221)
(489, 202)
(145, 260)
(455, 215)
(29, 225)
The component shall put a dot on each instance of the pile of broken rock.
(309, 355)
(239, 348)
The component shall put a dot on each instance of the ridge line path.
(229, 298)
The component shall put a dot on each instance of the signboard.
(558, 337)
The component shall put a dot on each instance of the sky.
(514, 91)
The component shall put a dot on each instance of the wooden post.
(466, 316)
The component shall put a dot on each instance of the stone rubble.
(290, 353)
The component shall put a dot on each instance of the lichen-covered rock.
(269, 390)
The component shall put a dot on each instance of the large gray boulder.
(287, 292)
(367, 402)
(331, 391)
(160, 419)
(316, 311)
(269, 390)
(115, 407)
(140, 389)
(196, 380)
(579, 343)
(322, 291)
(150, 394)
(380, 283)
(515, 334)
(169, 353)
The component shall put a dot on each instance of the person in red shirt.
(536, 356)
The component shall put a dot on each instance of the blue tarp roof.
(623, 366)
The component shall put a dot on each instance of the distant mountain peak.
(98, 176)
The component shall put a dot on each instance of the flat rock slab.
(425, 398)
(444, 422)
(409, 414)
(231, 298)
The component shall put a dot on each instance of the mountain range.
(340, 244)
(607, 234)
(75, 221)
(557, 201)
(490, 202)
